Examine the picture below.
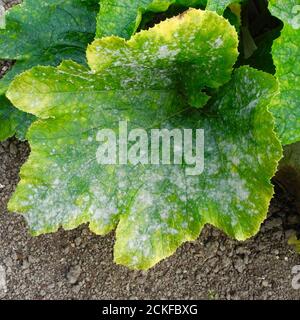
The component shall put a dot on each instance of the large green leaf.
(122, 18)
(40, 32)
(147, 81)
(286, 52)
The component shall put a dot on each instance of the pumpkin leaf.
(148, 83)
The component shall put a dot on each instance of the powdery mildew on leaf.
(149, 81)
(42, 32)
(171, 50)
(241, 156)
(286, 52)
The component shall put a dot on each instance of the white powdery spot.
(218, 42)
(172, 231)
(104, 207)
(177, 178)
(234, 221)
(235, 160)
(164, 215)
(105, 213)
(234, 184)
(49, 206)
(295, 23)
(56, 182)
(184, 225)
(243, 194)
(164, 52)
(145, 198)
(141, 244)
(238, 185)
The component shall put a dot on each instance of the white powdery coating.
(218, 43)
(165, 53)
(51, 209)
(104, 206)
(157, 217)
(295, 22)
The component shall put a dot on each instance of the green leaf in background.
(13, 120)
(233, 15)
(220, 5)
(288, 177)
(286, 52)
(289, 171)
(122, 18)
(259, 29)
(262, 58)
(42, 32)
(295, 242)
(147, 82)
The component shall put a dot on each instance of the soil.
(79, 265)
